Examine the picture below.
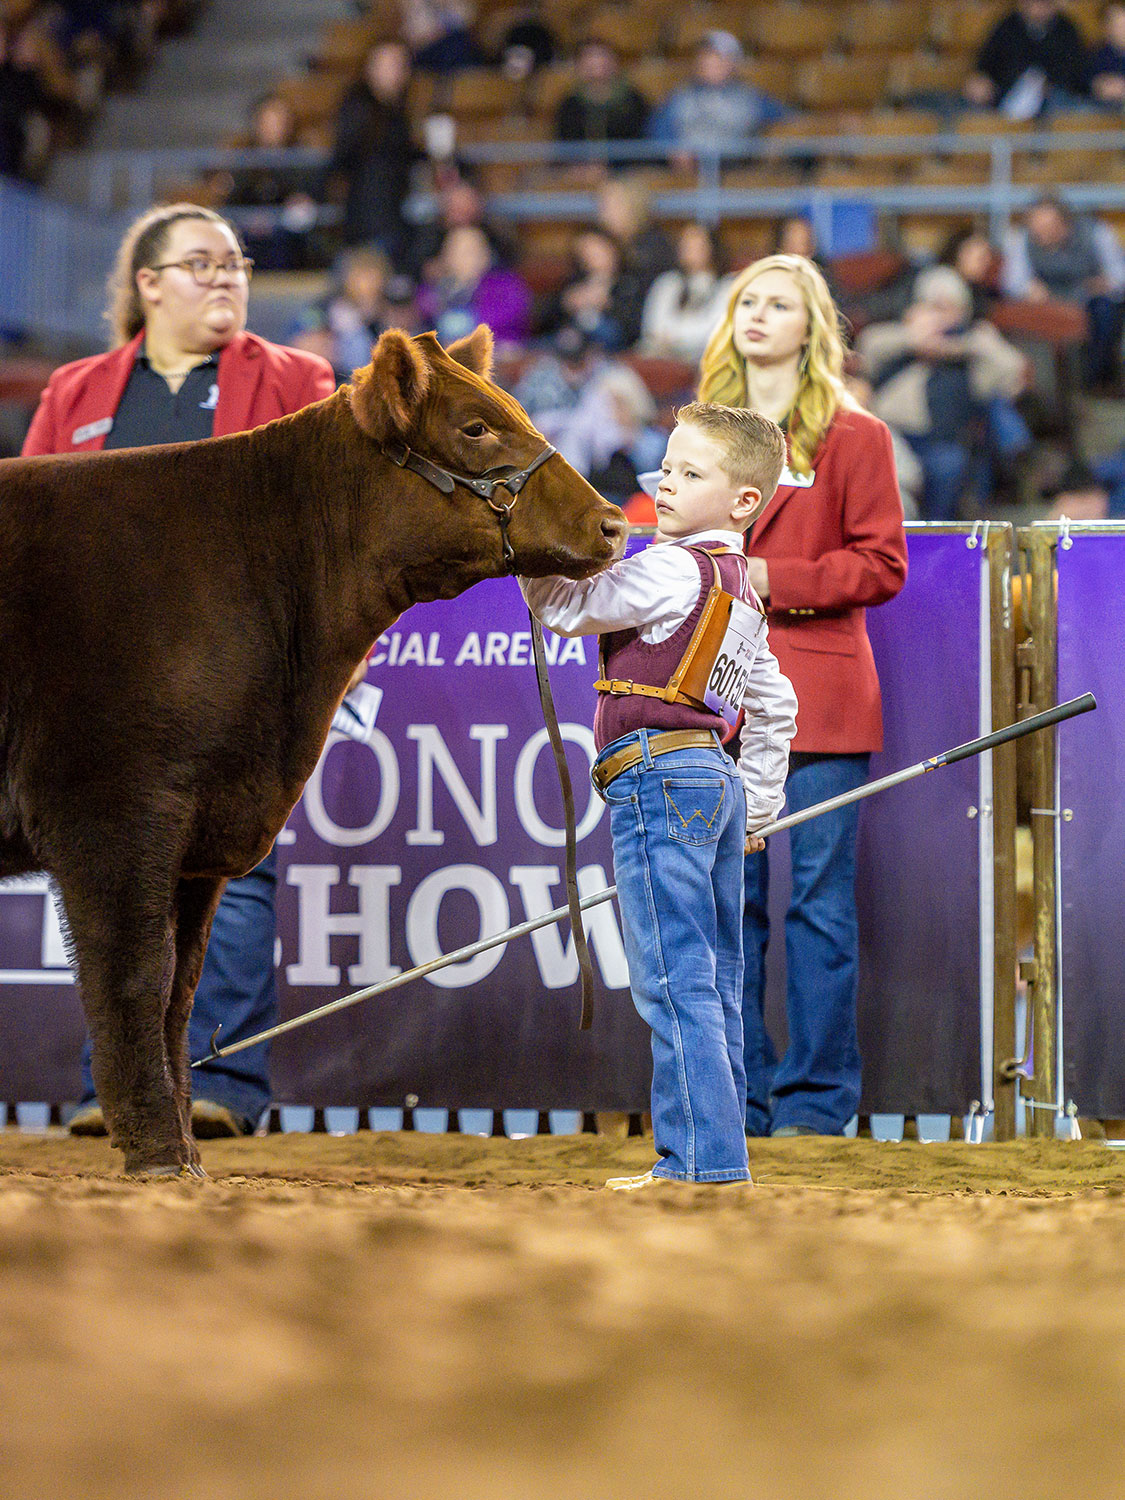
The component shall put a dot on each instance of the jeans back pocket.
(695, 805)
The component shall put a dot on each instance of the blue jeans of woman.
(678, 823)
(817, 1082)
(237, 991)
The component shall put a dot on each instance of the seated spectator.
(374, 151)
(458, 203)
(439, 34)
(623, 211)
(610, 436)
(27, 105)
(600, 298)
(528, 34)
(553, 381)
(797, 236)
(1071, 258)
(684, 305)
(368, 297)
(935, 374)
(470, 288)
(603, 105)
(908, 470)
(1079, 494)
(973, 256)
(278, 238)
(1033, 59)
(1107, 63)
(715, 108)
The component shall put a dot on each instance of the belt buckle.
(619, 687)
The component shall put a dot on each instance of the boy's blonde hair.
(752, 446)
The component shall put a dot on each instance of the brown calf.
(177, 627)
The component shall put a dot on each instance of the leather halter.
(485, 485)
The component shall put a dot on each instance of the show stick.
(1056, 715)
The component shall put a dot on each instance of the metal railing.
(56, 257)
(132, 179)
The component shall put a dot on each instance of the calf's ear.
(387, 393)
(475, 351)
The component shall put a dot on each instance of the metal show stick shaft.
(1049, 716)
(1061, 711)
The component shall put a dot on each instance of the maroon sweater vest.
(629, 658)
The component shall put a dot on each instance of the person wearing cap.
(183, 368)
(716, 108)
(937, 374)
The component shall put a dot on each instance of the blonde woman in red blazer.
(183, 367)
(829, 545)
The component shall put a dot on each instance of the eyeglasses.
(203, 269)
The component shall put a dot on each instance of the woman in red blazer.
(183, 367)
(828, 545)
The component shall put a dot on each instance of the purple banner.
(1091, 748)
(447, 825)
(917, 879)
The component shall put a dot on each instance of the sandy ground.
(384, 1315)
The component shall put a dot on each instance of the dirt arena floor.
(375, 1316)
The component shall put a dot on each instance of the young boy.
(680, 813)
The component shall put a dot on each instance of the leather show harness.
(485, 485)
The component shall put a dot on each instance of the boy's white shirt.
(653, 592)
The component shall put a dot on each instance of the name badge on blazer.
(91, 430)
(798, 481)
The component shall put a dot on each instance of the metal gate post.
(1038, 690)
(999, 543)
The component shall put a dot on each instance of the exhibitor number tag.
(726, 686)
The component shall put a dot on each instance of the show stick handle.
(1080, 705)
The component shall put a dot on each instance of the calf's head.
(441, 405)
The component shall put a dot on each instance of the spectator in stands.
(553, 381)
(603, 105)
(977, 261)
(1081, 493)
(527, 31)
(374, 151)
(935, 374)
(610, 435)
(27, 105)
(1034, 59)
(439, 34)
(601, 298)
(1107, 63)
(1075, 258)
(911, 479)
(796, 235)
(182, 368)
(715, 108)
(684, 305)
(458, 203)
(368, 297)
(623, 211)
(470, 288)
(279, 236)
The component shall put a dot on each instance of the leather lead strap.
(550, 718)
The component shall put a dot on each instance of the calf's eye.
(474, 429)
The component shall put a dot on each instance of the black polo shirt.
(149, 412)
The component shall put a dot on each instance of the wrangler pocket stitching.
(697, 825)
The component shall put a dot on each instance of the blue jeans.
(817, 1082)
(237, 989)
(678, 823)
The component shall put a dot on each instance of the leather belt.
(658, 744)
